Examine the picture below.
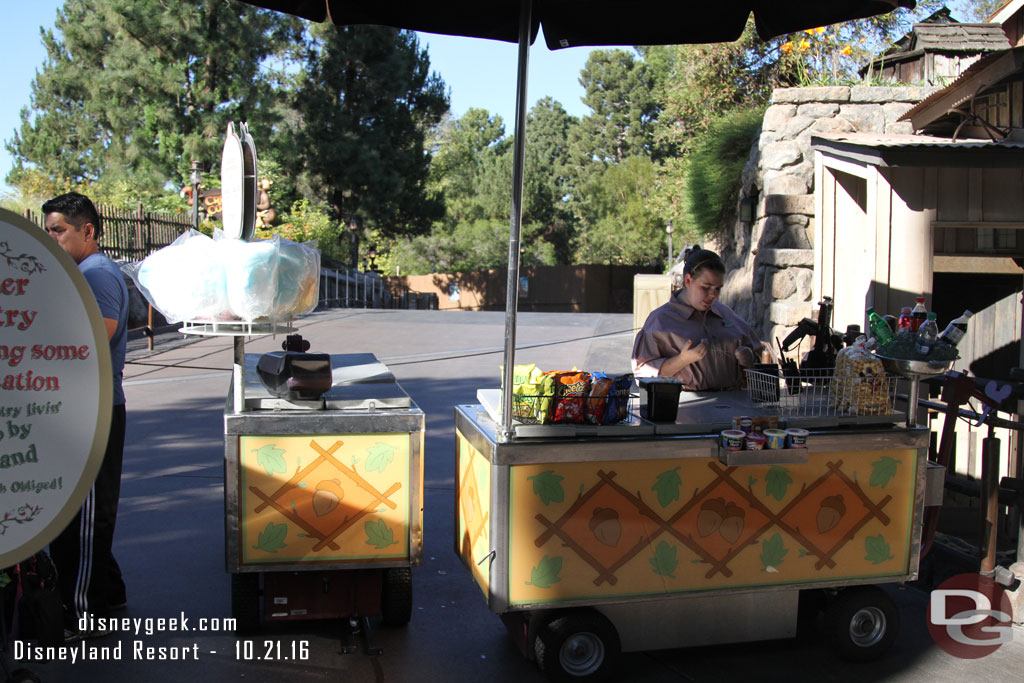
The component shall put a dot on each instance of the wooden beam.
(987, 265)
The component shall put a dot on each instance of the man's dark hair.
(77, 209)
(700, 259)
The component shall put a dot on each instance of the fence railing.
(349, 288)
(132, 235)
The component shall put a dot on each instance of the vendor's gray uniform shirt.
(670, 326)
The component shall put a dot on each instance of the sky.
(480, 73)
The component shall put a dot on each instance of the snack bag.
(600, 387)
(521, 374)
(618, 401)
(545, 405)
(571, 391)
(869, 388)
(524, 401)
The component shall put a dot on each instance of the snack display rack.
(823, 393)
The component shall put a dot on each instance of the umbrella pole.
(519, 154)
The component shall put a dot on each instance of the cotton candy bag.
(185, 280)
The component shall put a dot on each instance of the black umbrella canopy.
(572, 23)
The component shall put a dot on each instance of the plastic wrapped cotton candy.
(251, 272)
(185, 280)
(298, 280)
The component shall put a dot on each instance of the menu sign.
(55, 389)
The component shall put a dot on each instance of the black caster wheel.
(862, 623)
(577, 646)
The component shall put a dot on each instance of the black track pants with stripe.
(82, 552)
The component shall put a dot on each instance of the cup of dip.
(755, 441)
(796, 438)
(732, 439)
(776, 438)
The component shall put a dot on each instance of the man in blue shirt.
(90, 580)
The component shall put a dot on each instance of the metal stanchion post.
(989, 527)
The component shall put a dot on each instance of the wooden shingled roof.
(954, 37)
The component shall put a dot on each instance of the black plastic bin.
(662, 397)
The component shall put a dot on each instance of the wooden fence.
(132, 235)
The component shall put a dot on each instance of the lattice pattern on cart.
(824, 392)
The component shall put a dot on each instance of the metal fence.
(132, 235)
(349, 288)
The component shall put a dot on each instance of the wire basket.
(543, 409)
(821, 392)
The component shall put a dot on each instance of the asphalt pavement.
(170, 533)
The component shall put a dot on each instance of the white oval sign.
(56, 389)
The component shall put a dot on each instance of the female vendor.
(695, 337)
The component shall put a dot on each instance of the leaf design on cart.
(381, 455)
(548, 486)
(378, 534)
(546, 572)
(269, 458)
(777, 482)
(877, 549)
(667, 486)
(664, 560)
(772, 553)
(882, 471)
(271, 539)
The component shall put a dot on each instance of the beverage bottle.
(927, 335)
(956, 329)
(879, 327)
(918, 315)
(905, 322)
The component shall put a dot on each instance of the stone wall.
(771, 260)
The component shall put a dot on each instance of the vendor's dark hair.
(700, 259)
(77, 209)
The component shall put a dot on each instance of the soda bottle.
(905, 323)
(879, 327)
(956, 329)
(927, 335)
(918, 315)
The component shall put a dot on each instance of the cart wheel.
(396, 596)
(22, 676)
(862, 623)
(245, 602)
(578, 646)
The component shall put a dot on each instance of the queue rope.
(489, 352)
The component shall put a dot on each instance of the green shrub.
(715, 166)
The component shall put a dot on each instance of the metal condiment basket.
(822, 393)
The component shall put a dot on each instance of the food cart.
(323, 498)
(323, 454)
(589, 540)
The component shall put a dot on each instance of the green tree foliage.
(363, 104)
(133, 90)
(714, 168)
(618, 90)
(617, 221)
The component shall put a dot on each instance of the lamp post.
(669, 229)
(196, 167)
(353, 227)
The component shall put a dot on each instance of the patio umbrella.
(572, 23)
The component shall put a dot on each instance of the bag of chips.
(570, 393)
(545, 406)
(600, 387)
(618, 401)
